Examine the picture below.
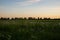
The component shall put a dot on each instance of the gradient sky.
(30, 8)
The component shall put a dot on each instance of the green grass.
(29, 29)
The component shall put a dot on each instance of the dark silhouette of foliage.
(21, 18)
(4, 18)
(25, 18)
(12, 18)
(47, 18)
(31, 18)
(16, 18)
(38, 18)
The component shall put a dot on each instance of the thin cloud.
(27, 2)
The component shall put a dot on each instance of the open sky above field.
(30, 8)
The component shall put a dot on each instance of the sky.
(30, 8)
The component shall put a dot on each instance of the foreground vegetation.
(29, 29)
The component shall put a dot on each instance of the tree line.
(29, 18)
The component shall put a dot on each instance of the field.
(29, 29)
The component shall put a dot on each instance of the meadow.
(29, 29)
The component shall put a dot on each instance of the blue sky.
(27, 8)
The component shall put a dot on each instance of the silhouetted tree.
(34, 18)
(25, 18)
(4, 18)
(16, 18)
(20, 18)
(1, 18)
(45, 18)
(48, 18)
(12, 18)
(29, 18)
(38, 18)
(8, 18)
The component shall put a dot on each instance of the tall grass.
(29, 29)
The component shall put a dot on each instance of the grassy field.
(29, 29)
